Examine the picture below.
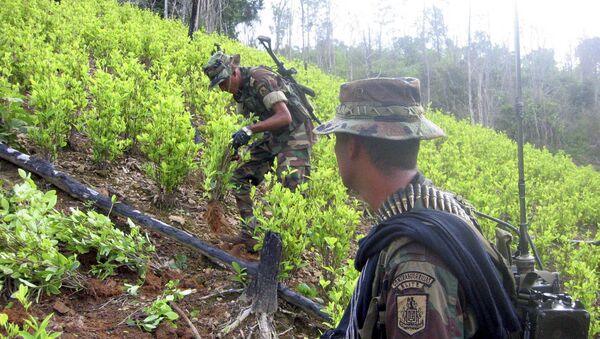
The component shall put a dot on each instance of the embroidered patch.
(412, 279)
(412, 313)
(263, 90)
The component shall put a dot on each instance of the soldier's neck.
(380, 186)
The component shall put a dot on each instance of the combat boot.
(245, 236)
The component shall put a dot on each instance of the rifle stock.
(287, 74)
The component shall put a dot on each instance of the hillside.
(108, 93)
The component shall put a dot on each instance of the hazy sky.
(552, 24)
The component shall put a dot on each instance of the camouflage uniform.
(290, 145)
(421, 296)
(413, 293)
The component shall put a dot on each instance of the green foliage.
(307, 290)
(333, 215)
(104, 123)
(340, 292)
(53, 113)
(180, 262)
(38, 329)
(562, 199)
(82, 232)
(168, 138)
(40, 245)
(241, 276)
(13, 118)
(288, 215)
(132, 289)
(31, 329)
(160, 309)
(216, 161)
(21, 295)
(135, 87)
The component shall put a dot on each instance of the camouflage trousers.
(293, 167)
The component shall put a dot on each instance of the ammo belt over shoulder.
(422, 196)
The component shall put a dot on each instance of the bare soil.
(102, 309)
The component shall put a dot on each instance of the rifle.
(288, 74)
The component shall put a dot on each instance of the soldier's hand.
(241, 137)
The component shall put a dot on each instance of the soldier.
(284, 122)
(426, 270)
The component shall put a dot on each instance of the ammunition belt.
(422, 196)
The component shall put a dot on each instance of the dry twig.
(233, 290)
(187, 320)
(243, 315)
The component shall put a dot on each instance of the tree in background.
(324, 46)
(282, 22)
(562, 102)
(220, 16)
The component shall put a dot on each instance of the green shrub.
(104, 123)
(40, 246)
(167, 139)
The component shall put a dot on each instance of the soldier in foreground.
(284, 122)
(426, 270)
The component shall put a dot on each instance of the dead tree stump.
(264, 288)
(262, 291)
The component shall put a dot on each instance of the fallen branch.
(139, 309)
(234, 290)
(79, 191)
(286, 331)
(243, 315)
(187, 320)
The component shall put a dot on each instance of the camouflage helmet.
(387, 108)
(220, 67)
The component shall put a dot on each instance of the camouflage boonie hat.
(387, 108)
(219, 67)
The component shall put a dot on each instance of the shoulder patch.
(412, 313)
(412, 279)
(263, 90)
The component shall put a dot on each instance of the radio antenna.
(524, 261)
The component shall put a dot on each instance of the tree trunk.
(173, 8)
(303, 17)
(197, 15)
(480, 96)
(290, 26)
(426, 61)
(469, 89)
(193, 18)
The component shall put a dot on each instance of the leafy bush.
(53, 113)
(216, 135)
(14, 119)
(40, 246)
(168, 138)
(104, 123)
(287, 215)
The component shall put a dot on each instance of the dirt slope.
(102, 309)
